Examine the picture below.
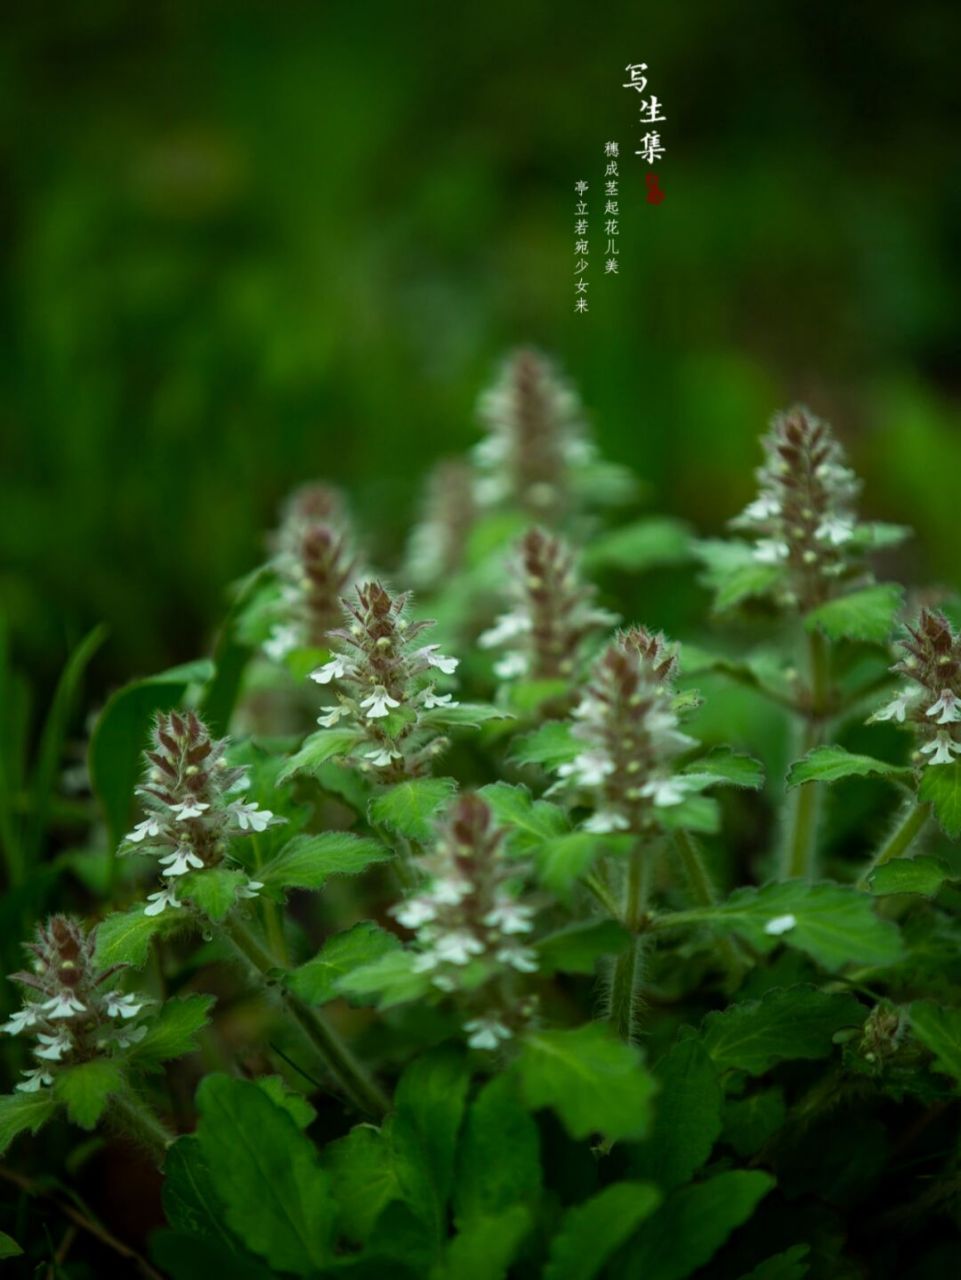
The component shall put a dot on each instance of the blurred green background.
(249, 244)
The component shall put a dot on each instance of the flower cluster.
(71, 1008)
(803, 518)
(628, 724)
(438, 543)
(315, 564)
(535, 441)
(552, 616)
(193, 803)
(470, 925)
(931, 704)
(385, 682)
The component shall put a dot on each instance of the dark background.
(249, 244)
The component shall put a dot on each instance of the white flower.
(432, 699)
(189, 809)
(780, 924)
(250, 817)
(382, 756)
(330, 718)
(149, 827)
(948, 705)
(414, 912)
(507, 627)
(123, 1006)
(64, 1005)
(897, 708)
(433, 659)
(520, 958)
(511, 665)
(590, 768)
(336, 669)
(448, 891)
(425, 962)
(250, 889)
(126, 1036)
(762, 508)
(34, 1079)
(588, 708)
(23, 1018)
(378, 702)
(665, 791)
(458, 946)
(770, 551)
(510, 917)
(605, 821)
(158, 901)
(180, 861)
(486, 1033)
(55, 1046)
(943, 748)
(836, 530)
(281, 641)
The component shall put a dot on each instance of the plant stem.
(131, 1115)
(900, 840)
(801, 849)
(627, 967)
(705, 895)
(358, 1085)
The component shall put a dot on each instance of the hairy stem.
(129, 1114)
(353, 1077)
(626, 978)
(911, 824)
(800, 857)
(705, 895)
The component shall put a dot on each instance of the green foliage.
(923, 875)
(786, 1023)
(594, 1230)
(861, 615)
(499, 1163)
(941, 788)
(687, 1117)
(828, 764)
(409, 808)
(213, 891)
(646, 544)
(172, 1033)
(22, 1112)
(8, 1246)
(86, 1088)
(578, 947)
(125, 936)
(939, 1030)
(324, 745)
(343, 955)
(307, 862)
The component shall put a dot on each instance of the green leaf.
(124, 938)
(275, 1194)
(485, 1247)
(8, 1246)
(296, 1104)
(470, 714)
(174, 1031)
(923, 875)
(595, 1082)
(363, 944)
(498, 1162)
(828, 764)
(428, 1109)
(691, 1226)
(190, 1201)
(385, 982)
(561, 862)
(785, 1024)
(697, 813)
(863, 615)
(121, 733)
(687, 1117)
(306, 862)
(590, 1232)
(725, 766)
(529, 821)
(941, 788)
(21, 1111)
(752, 1121)
(635, 548)
(939, 1030)
(185, 1257)
(85, 1089)
(324, 745)
(213, 890)
(362, 1178)
(550, 745)
(733, 572)
(834, 924)
(792, 1264)
(578, 947)
(410, 808)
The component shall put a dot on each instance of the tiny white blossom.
(432, 699)
(897, 708)
(605, 821)
(507, 627)
(770, 551)
(512, 664)
(123, 1006)
(520, 958)
(64, 1005)
(160, 900)
(382, 756)
(943, 747)
(590, 768)
(336, 669)
(250, 816)
(434, 659)
(448, 891)
(378, 702)
(425, 962)
(665, 791)
(189, 809)
(330, 718)
(149, 827)
(250, 889)
(28, 1016)
(55, 1046)
(486, 1033)
(780, 924)
(414, 912)
(762, 508)
(281, 641)
(180, 861)
(126, 1036)
(458, 946)
(836, 530)
(949, 707)
(510, 917)
(34, 1079)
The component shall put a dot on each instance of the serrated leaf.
(498, 1161)
(550, 745)
(20, 1112)
(485, 1247)
(862, 615)
(385, 982)
(9, 1247)
(828, 764)
(173, 1032)
(326, 744)
(85, 1089)
(923, 875)
(784, 1025)
(190, 1201)
(697, 813)
(410, 808)
(363, 1179)
(595, 1082)
(363, 944)
(635, 548)
(295, 1104)
(275, 1194)
(941, 788)
(578, 947)
(939, 1029)
(752, 1121)
(529, 821)
(124, 938)
(687, 1117)
(722, 766)
(213, 890)
(792, 1264)
(306, 862)
(469, 714)
(591, 1232)
(561, 862)
(693, 1223)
